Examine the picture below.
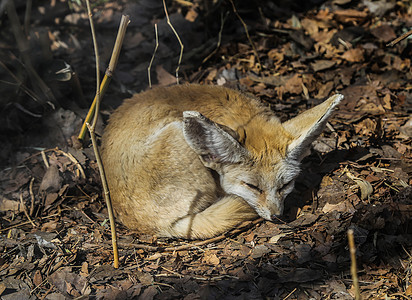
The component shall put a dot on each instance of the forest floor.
(55, 237)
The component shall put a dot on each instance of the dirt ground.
(55, 236)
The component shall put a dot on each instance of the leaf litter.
(358, 175)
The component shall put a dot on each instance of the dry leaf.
(384, 33)
(322, 64)
(164, 78)
(211, 259)
(353, 55)
(6, 204)
(84, 272)
(51, 181)
(325, 90)
(37, 278)
(343, 206)
(365, 187)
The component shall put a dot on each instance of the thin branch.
(153, 56)
(28, 222)
(96, 53)
(247, 34)
(92, 127)
(31, 196)
(397, 40)
(178, 38)
(25, 211)
(219, 40)
(352, 251)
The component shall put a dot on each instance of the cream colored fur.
(194, 161)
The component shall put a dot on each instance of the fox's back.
(148, 112)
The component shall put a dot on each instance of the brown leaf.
(343, 206)
(149, 293)
(51, 181)
(67, 282)
(144, 278)
(210, 259)
(322, 64)
(325, 90)
(406, 129)
(379, 7)
(6, 204)
(37, 278)
(385, 33)
(294, 84)
(85, 269)
(50, 199)
(350, 15)
(259, 251)
(163, 77)
(353, 55)
(365, 187)
(191, 15)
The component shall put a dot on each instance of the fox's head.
(258, 161)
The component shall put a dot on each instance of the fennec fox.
(193, 161)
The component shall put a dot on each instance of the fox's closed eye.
(253, 187)
(284, 187)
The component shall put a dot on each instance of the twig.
(96, 53)
(109, 71)
(28, 222)
(73, 160)
(106, 195)
(352, 251)
(153, 56)
(222, 23)
(46, 162)
(247, 34)
(25, 211)
(178, 38)
(398, 39)
(31, 196)
(290, 294)
(108, 74)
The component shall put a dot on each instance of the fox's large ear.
(211, 141)
(307, 126)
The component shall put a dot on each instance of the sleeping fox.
(193, 161)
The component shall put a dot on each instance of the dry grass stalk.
(247, 34)
(352, 251)
(398, 39)
(153, 56)
(95, 111)
(178, 38)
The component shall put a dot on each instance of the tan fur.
(160, 185)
